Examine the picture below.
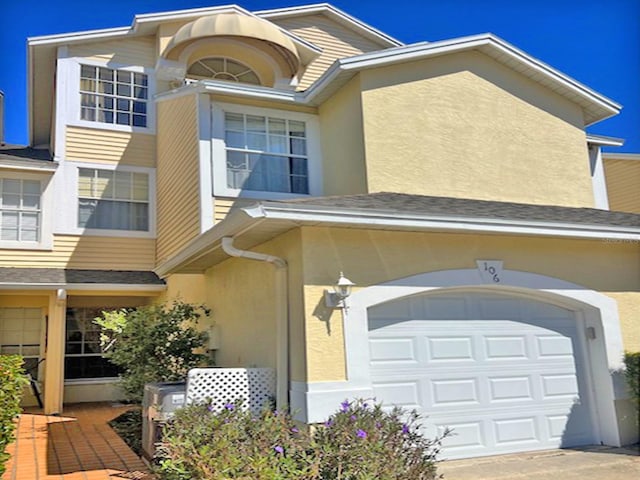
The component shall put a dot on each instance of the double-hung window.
(118, 97)
(266, 154)
(20, 209)
(113, 200)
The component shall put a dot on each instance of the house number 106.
(492, 271)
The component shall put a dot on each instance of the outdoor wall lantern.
(341, 290)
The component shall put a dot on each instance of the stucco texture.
(463, 125)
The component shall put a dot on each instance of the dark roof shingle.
(66, 276)
(460, 207)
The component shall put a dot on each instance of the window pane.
(298, 146)
(87, 85)
(140, 79)
(31, 187)
(123, 119)
(10, 200)
(139, 107)
(256, 124)
(277, 126)
(234, 121)
(123, 105)
(105, 87)
(106, 74)
(234, 139)
(140, 92)
(257, 141)
(277, 144)
(296, 129)
(299, 166)
(123, 183)
(87, 100)
(88, 114)
(124, 77)
(123, 90)
(299, 185)
(86, 210)
(139, 121)
(11, 186)
(103, 184)
(140, 186)
(87, 71)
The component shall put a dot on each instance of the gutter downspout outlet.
(282, 315)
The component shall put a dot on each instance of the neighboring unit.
(244, 159)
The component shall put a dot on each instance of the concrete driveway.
(585, 463)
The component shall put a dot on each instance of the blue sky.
(597, 42)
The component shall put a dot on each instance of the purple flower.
(328, 423)
(278, 449)
(345, 405)
(405, 428)
(230, 407)
(365, 405)
(211, 408)
(378, 425)
(353, 418)
(361, 433)
(294, 429)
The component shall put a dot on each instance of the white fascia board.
(28, 168)
(621, 156)
(65, 38)
(364, 218)
(186, 14)
(424, 50)
(604, 140)
(337, 14)
(234, 90)
(237, 222)
(92, 287)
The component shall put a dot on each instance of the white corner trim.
(206, 161)
(598, 182)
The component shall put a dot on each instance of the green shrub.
(632, 373)
(153, 344)
(360, 442)
(12, 382)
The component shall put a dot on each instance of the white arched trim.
(318, 400)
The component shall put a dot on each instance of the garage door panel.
(507, 378)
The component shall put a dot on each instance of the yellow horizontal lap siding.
(138, 51)
(104, 146)
(178, 177)
(623, 184)
(335, 40)
(86, 252)
(223, 205)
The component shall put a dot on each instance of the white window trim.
(69, 86)
(46, 206)
(219, 153)
(68, 219)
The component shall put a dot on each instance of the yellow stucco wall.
(241, 295)
(110, 146)
(342, 139)
(623, 184)
(86, 252)
(178, 176)
(481, 131)
(373, 257)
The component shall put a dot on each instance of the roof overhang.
(596, 107)
(86, 287)
(602, 140)
(256, 224)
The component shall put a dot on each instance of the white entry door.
(506, 374)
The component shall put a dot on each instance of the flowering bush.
(153, 344)
(359, 442)
(632, 372)
(12, 383)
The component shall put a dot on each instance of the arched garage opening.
(523, 365)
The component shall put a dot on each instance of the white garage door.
(506, 374)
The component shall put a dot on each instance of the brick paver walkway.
(76, 446)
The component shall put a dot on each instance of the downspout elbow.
(229, 249)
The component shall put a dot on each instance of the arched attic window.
(220, 68)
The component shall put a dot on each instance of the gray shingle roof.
(17, 152)
(460, 207)
(65, 276)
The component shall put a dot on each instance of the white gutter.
(89, 287)
(282, 315)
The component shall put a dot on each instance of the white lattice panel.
(256, 387)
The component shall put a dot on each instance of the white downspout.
(282, 315)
